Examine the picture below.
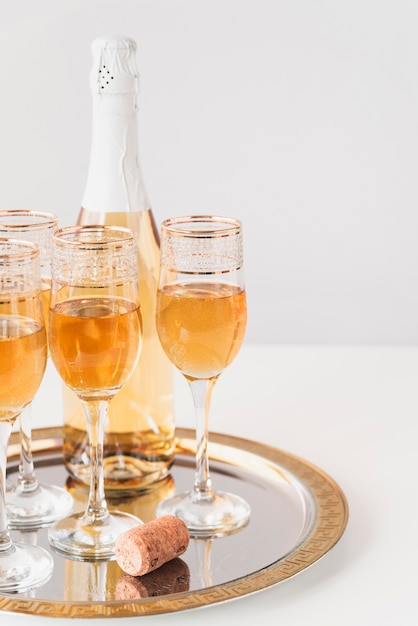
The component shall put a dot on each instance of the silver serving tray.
(298, 513)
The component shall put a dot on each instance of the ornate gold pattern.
(329, 525)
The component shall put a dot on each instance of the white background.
(299, 117)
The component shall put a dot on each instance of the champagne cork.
(142, 549)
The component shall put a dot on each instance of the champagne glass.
(31, 504)
(23, 353)
(95, 336)
(201, 319)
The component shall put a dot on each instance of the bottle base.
(123, 477)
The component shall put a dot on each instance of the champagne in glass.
(23, 353)
(201, 320)
(29, 503)
(95, 335)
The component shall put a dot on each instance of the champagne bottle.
(139, 436)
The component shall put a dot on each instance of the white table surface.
(351, 411)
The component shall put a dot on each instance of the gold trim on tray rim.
(330, 522)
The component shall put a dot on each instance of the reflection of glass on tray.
(90, 581)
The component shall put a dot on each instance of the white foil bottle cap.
(114, 69)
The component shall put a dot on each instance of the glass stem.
(96, 413)
(27, 482)
(202, 393)
(5, 431)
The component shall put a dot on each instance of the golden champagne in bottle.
(139, 436)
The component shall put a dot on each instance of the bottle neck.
(114, 181)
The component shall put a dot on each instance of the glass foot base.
(24, 567)
(36, 509)
(78, 538)
(218, 516)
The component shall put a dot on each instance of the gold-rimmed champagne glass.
(201, 319)
(23, 354)
(95, 336)
(31, 504)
